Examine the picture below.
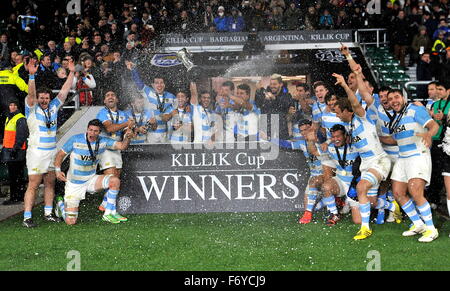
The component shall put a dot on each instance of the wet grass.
(214, 241)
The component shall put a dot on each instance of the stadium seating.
(386, 67)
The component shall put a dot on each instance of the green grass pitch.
(215, 241)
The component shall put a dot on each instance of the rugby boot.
(333, 219)
(429, 235)
(110, 218)
(306, 218)
(120, 217)
(414, 230)
(397, 212)
(52, 218)
(363, 233)
(28, 223)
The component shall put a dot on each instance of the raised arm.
(31, 98)
(135, 74)
(357, 108)
(62, 96)
(356, 68)
(194, 93)
(362, 87)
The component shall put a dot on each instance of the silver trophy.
(185, 57)
(193, 71)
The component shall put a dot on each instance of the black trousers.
(433, 193)
(17, 181)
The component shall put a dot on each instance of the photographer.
(84, 80)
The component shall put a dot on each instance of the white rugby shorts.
(74, 193)
(406, 169)
(381, 164)
(40, 161)
(110, 159)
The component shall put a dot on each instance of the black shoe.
(29, 223)
(52, 218)
(11, 202)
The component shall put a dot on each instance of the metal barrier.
(358, 33)
(75, 98)
(405, 88)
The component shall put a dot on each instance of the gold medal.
(113, 135)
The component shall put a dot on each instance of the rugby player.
(84, 150)
(375, 164)
(413, 129)
(42, 115)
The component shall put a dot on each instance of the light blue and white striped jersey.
(383, 128)
(364, 138)
(160, 105)
(230, 119)
(204, 122)
(105, 115)
(372, 110)
(344, 172)
(82, 168)
(317, 111)
(186, 118)
(140, 120)
(313, 162)
(248, 120)
(41, 137)
(412, 122)
(329, 119)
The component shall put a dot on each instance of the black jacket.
(279, 106)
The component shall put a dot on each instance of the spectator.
(326, 20)
(441, 27)
(207, 19)
(235, 21)
(342, 20)
(293, 17)
(46, 74)
(148, 34)
(84, 79)
(400, 37)
(183, 23)
(444, 68)
(164, 21)
(246, 11)
(420, 43)
(275, 19)
(311, 19)
(221, 21)
(96, 44)
(4, 50)
(423, 73)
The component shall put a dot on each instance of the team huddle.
(365, 151)
(374, 143)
